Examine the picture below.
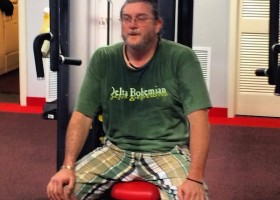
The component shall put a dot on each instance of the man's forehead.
(137, 8)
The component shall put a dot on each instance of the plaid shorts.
(100, 169)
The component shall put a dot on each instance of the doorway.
(9, 53)
(250, 95)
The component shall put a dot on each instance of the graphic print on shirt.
(133, 94)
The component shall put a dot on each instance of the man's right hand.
(61, 185)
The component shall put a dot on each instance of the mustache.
(133, 33)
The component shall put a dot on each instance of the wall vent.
(51, 81)
(204, 55)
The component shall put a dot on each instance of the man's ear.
(159, 25)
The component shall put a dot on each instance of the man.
(154, 105)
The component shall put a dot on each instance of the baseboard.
(219, 116)
(17, 108)
(34, 106)
(35, 101)
(218, 112)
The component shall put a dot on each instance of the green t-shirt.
(144, 110)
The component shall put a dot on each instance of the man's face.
(139, 27)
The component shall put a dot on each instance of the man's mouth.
(133, 34)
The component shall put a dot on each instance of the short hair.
(152, 3)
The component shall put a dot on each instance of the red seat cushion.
(136, 190)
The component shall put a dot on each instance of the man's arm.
(199, 144)
(77, 133)
(62, 183)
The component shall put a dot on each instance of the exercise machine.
(59, 62)
(273, 70)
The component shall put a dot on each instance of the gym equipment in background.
(273, 70)
(59, 62)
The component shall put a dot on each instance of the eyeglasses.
(139, 20)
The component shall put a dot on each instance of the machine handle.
(276, 48)
(262, 72)
(37, 45)
(69, 61)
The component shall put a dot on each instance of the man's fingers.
(180, 193)
(55, 190)
(70, 186)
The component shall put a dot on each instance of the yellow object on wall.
(45, 28)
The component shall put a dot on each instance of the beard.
(137, 42)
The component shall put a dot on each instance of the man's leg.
(168, 170)
(99, 170)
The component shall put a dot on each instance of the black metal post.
(59, 28)
(108, 21)
(54, 29)
(167, 12)
(185, 22)
(274, 68)
(273, 39)
(63, 83)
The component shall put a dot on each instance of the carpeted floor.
(243, 162)
(28, 156)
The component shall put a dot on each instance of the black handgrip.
(277, 85)
(37, 45)
(262, 72)
(69, 61)
(276, 48)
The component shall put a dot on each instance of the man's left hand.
(190, 190)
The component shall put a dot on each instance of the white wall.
(34, 19)
(210, 30)
(79, 47)
(92, 20)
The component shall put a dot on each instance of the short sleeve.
(193, 90)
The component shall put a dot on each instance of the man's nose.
(133, 23)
